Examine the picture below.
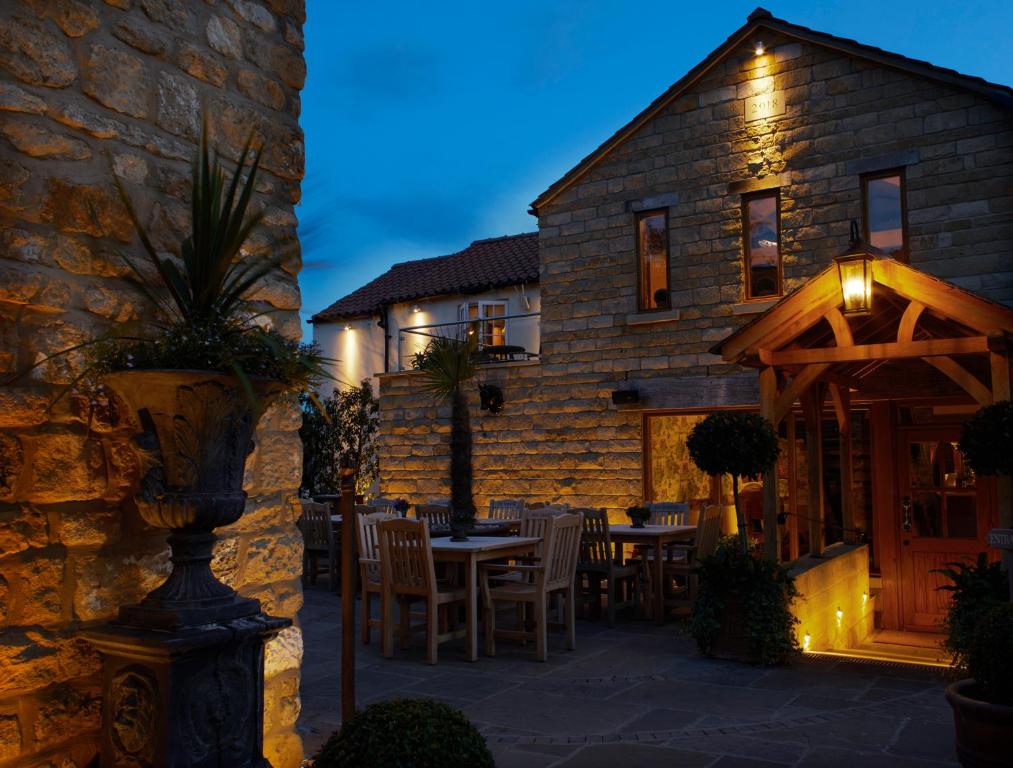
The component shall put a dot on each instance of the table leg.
(659, 588)
(471, 608)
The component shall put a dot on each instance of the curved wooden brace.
(906, 329)
(839, 324)
(958, 373)
(841, 398)
(794, 390)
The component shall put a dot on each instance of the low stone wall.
(835, 608)
(88, 89)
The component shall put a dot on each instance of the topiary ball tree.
(735, 443)
(399, 733)
(986, 439)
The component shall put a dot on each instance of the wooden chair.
(434, 514)
(598, 564)
(370, 572)
(438, 502)
(552, 574)
(505, 509)
(408, 575)
(318, 541)
(708, 532)
(389, 506)
(668, 513)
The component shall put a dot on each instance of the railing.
(502, 338)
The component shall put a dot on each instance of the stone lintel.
(882, 162)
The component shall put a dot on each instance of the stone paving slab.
(640, 695)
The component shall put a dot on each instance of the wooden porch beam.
(805, 378)
(967, 345)
(908, 321)
(963, 377)
(839, 325)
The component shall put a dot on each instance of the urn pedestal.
(183, 669)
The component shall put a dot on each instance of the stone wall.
(835, 605)
(88, 89)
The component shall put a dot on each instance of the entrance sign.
(1000, 538)
(765, 105)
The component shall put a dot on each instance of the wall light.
(807, 642)
(840, 616)
(865, 598)
(416, 309)
(348, 327)
(854, 268)
(759, 48)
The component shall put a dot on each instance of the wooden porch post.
(812, 407)
(842, 407)
(999, 363)
(771, 534)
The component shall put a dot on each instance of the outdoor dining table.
(470, 553)
(656, 536)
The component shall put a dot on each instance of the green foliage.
(340, 431)
(406, 733)
(760, 589)
(977, 588)
(447, 364)
(990, 657)
(986, 439)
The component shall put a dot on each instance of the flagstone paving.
(641, 696)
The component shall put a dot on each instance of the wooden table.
(514, 526)
(656, 536)
(470, 553)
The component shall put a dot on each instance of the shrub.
(735, 443)
(636, 513)
(986, 439)
(762, 589)
(403, 733)
(990, 657)
(976, 588)
(340, 431)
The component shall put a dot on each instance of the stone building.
(88, 89)
(719, 208)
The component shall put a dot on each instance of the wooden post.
(842, 407)
(348, 536)
(812, 412)
(1003, 483)
(771, 534)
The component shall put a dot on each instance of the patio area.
(640, 695)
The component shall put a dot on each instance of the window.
(885, 212)
(652, 259)
(487, 319)
(761, 228)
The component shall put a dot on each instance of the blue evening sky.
(431, 124)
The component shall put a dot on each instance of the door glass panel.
(921, 464)
(927, 514)
(962, 516)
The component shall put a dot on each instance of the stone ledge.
(753, 307)
(650, 318)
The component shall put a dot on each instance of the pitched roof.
(483, 265)
(763, 19)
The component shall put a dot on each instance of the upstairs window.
(761, 231)
(652, 260)
(885, 212)
(487, 319)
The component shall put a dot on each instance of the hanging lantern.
(854, 268)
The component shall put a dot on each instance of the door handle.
(906, 514)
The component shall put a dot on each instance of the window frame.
(774, 192)
(481, 319)
(904, 254)
(640, 215)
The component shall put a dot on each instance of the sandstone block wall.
(844, 117)
(88, 89)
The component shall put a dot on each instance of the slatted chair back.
(438, 502)
(708, 531)
(505, 509)
(562, 547)
(380, 504)
(369, 542)
(406, 558)
(535, 523)
(668, 513)
(595, 541)
(435, 514)
(315, 524)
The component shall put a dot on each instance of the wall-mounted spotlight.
(348, 327)
(759, 48)
(416, 309)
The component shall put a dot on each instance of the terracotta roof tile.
(483, 265)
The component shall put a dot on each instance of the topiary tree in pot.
(735, 443)
(418, 732)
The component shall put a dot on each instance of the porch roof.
(955, 335)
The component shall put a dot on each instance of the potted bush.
(196, 379)
(743, 606)
(983, 703)
(975, 589)
(416, 732)
(638, 516)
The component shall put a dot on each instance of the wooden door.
(943, 517)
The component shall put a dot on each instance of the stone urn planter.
(196, 430)
(984, 731)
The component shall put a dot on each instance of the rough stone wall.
(843, 117)
(85, 87)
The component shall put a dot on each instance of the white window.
(487, 319)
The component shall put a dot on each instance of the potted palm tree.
(447, 364)
(196, 377)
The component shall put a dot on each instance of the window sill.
(754, 307)
(648, 318)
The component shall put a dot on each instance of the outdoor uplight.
(854, 268)
(759, 47)
(348, 327)
(416, 309)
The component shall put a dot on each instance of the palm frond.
(448, 362)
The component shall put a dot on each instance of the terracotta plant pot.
(984, 731)
(195, 432)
